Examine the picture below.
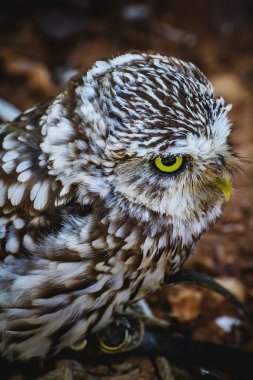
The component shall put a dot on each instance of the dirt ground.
(43, 43)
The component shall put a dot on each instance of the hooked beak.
(225, 185)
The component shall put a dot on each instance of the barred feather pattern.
(87, 225)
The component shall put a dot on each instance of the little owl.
(104, 189)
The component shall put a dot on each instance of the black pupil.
(169, 161)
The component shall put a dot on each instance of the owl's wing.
(31, 202)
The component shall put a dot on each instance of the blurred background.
(43, 43)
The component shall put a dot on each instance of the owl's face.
(158, 140)
(174, 139)
(186, 184)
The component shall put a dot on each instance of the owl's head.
(158, 140)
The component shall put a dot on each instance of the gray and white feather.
(103, 190)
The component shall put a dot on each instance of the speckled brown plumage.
(88, 225)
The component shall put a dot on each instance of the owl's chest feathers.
(114, 253)
(137, 253)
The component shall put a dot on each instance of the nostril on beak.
(221, 160)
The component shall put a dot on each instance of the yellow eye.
(170, 165)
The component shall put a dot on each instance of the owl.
(104, 190)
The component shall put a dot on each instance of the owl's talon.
(142, 310)
(115, 336)
(79, 345)
(125, 333)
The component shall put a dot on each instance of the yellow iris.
(171, 165)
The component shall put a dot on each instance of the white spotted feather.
(87, 224)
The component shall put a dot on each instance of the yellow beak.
(226, 187)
